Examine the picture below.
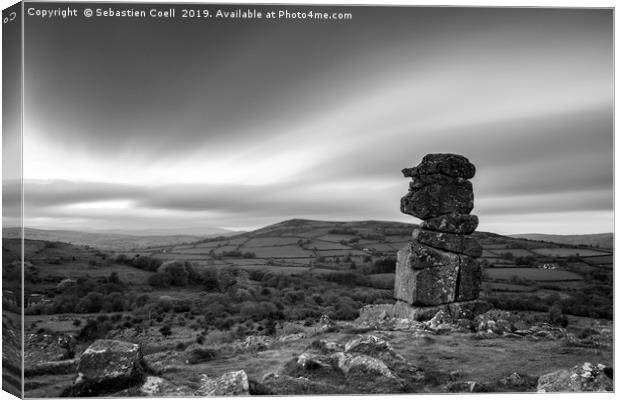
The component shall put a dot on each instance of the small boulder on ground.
(107, 366)
(517, 382)
(348, 362)
(500, 321)
(580, 378)
(367, 364)
(234, 383)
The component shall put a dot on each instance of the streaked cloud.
(154, 126)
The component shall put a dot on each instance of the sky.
(237, 124)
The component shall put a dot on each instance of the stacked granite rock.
(439, 266)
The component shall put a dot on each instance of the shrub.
(91, 303)
(165, 330)
(346, 310)
(555, 315)
(295, 297)
(197, 355)
(165, 303)
(93, 330)
(385, 265)
(116, 301)
(209, 278)
(225, 279)
(146, 263)
(142, 300)
(159, 279)
(176, 271)
(113, 278)
(586, 332)
(270, 327)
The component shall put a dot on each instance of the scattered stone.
(499, 322)
(152, 386)
(329, 346)
(348, 362)
(516, 382)
(441, 321)
(405, 311)
(468, 309)
(325, 320)
(233, 383)
(580, 378)
(107, 366)
(257, 342)
(291, 337)
(370, 345)
(311, 361)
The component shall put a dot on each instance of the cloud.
(168, 126)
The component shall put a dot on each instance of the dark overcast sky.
(238, 124)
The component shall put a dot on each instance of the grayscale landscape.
(254, 302)
(410, 200)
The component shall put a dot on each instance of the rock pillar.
(439, 266)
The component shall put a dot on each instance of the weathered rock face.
(443, 163)
(418, 256)
(449, 242)
(107, 366)
(429, 286)
(434, 200)
(580, 378)
(380, 314)
(439, 266)
(463, 224)
(470, 278)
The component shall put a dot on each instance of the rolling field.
(298, 246)
(272, 241)
(509, 287)
(534, 274)
(382, 281)
(609, 259)
(514, 252)
(566, 252)
(321, 244)
(278, 251)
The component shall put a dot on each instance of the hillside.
(257, 300)
(112, 241)
(599, 240)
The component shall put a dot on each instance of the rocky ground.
(11, 353)
(497, 352)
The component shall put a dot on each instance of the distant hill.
(602, 240)
(115, 241)
(301, 228)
